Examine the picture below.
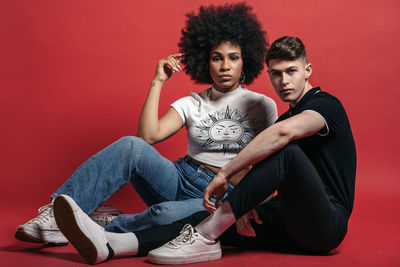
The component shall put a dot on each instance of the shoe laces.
(45, 214)
(185, 236)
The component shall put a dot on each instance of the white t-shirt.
(219, 125)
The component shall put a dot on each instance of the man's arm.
(267, 142)
(274, 138)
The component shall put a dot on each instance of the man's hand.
(217, 188)
(243, 224)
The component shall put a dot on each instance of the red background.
(74, 75)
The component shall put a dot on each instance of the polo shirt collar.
(303, 101)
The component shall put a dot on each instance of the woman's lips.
(225, 77)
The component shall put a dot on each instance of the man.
(308, 156)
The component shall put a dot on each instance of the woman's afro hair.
(235, 23)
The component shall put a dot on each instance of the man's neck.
(307, 88)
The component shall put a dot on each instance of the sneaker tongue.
(45, 212)
(45, 208)
(187, 228)
(185, 236)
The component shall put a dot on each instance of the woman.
(223, 46)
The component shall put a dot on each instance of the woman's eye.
(216, 59)
(234, 58)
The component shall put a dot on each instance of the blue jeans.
(172, 189)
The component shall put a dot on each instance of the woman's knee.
(129, 144)
(131, 140)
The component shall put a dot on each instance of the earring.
(242, 78)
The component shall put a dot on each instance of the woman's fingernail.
(175, 69)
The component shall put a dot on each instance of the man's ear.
(308, 70)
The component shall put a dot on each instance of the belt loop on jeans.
(204, 166)
(187, 158)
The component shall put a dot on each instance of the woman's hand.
(217, 188)
(166, 67)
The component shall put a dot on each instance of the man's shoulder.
(324, 96)
(328, 106)
(323, 99)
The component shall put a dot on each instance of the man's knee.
(293, 149)
(291, 153)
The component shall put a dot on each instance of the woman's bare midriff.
(234, 180)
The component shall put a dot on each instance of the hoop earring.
(242, 78)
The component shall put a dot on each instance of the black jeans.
(301, 217)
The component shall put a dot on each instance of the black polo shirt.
(332, 151)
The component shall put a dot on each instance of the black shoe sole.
(21, 235)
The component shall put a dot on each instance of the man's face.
(289, 79)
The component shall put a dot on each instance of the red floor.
(373, 239)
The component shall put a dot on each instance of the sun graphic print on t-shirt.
(226, 130)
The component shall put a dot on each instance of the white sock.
(214, 225)
(123, 244)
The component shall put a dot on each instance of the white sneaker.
(88, 238)
(188, 247)
(42, 229)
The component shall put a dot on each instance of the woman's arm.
(151, 128)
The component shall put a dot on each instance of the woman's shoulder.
(258, 96)
(205, 93)
(195, 97)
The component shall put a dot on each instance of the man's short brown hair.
(287, 48)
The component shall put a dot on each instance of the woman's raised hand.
(166, 67)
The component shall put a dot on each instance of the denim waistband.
(195, 165)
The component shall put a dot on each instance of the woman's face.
(226, 66)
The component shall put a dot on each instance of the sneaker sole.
(65, 220)
(22, 235)
(172, 260)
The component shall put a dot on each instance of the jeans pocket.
(194, 185)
